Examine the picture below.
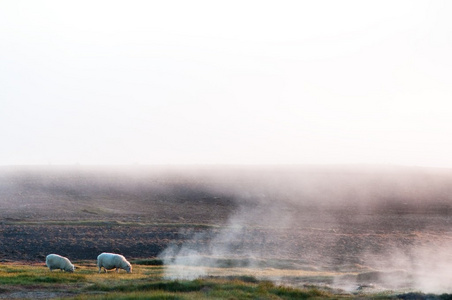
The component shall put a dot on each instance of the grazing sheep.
(110, 261)
(55, 261)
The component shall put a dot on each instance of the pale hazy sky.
(202, 82)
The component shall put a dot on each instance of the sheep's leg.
(117, 270)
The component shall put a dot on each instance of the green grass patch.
(158, 295)
(244, 278)
(147, 282)
(292, 293)
(213, 289)
(31, 275)
(28, 279)
(8, 269)
(169, 286)
(148, 262)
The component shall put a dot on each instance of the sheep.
(110, 261)
(55, 261)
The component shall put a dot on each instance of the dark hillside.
(323, 215)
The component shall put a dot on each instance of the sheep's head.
(128, 268)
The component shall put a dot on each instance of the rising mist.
(368, 226)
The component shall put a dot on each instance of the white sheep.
(55, 261)
(110, 261)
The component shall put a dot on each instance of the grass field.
(146, 282)
(35, 281)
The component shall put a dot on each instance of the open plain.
(348, 230)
